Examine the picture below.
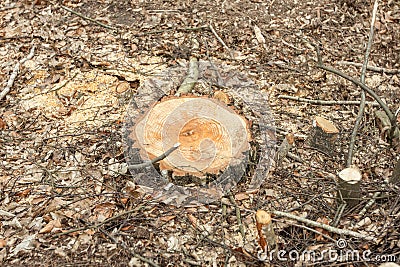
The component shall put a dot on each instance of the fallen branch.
(317, 224)
(323, 226)
(369, 203)
(220, 40)
(204, 27)
(155, 160)
(294, 157)
(349, 78)
(14, 74)
(136, 209)
(193, 73)
(89, 19)
(326, 102)
(362, 80)
(360, 84)
(372, 68)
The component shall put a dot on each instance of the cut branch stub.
(349, 186)
(323, 135)
(211, 135)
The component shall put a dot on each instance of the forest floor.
(66, 198)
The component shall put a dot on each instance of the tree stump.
(216, 147)
(323, 135)
(211, 136)
(349, 186)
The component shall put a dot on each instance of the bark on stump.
(212, 135)
(395, 179)
(349, 186)
(323, 135)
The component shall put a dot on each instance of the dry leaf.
(50, 226)
(103, 211)
(167, 218)
(241, 196)
(24, 193)
(193, 220)
(2, 124)
(260, 38)
(322, 231)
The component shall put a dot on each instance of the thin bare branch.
(363, 86)
(362, 80)
(371, 68)
(89, 19)
(323, 226)
(326, 102)
(220, 40)
(155, 160)
(14, 74)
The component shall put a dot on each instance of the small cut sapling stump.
(349, 186)
(323, 135)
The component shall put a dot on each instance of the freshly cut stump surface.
(212, 135)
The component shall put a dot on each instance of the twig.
(126, 248)
(323, 226)
(393, 122)
(295, 157)
(238, 215)
(89, 19)
(325, 102)
(155, 160)
(220, 40)
(372, 68)
(12, 6)
(363, 86)
(362, 80)
(317, 224)
(314, 231)
(172, 29)
(100, 223)
(339, 214)
(122, 244)
(369, 203)
(14, 74)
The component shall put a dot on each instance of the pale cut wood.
(325, 125)
(222, 96)
(349, 186)
(212, 136)
(263, 217)
(264, 226)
